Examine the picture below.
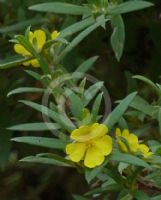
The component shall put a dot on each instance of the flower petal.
(144, 149)
(40, 37)
(125, 133)
(122, 146)
(86, 133)
(35, 63)
(21, 50)
(27, 63)
(104, 144)
(118, 132)
(98, 130)
(54, 35)
(76, 151)
(133, 143)
(93, 157)
(81, 134)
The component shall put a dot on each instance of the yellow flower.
(91, 144)
(54, 35)
(130, 143)
(37, 40)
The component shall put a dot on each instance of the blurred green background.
(142, 55)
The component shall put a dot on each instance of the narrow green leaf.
(86, 65)
(130, 6)
(78, 197)
(100, 190)
(22, 25)
(140, 195)
(39, 126)
(118, 35)
(96, 108)
(35, 75)
(13, 62)
(60, 8)
(78, 26)
(149, 82)
(127, 158)
(143, 106)
(158, 197)
(81, 36)
(60, 119)
(42, 160)
(25, 43)
(51, 143)
(90, 174)
(76, 103)
(155, 159)
(26, 89)
(91, 92)
(117, 113)
(159, 119)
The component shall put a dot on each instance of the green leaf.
(78, 197)
(76, 103)
(96, 108)
(130, 6)
(26, 89)
(90, 174)
(158, 197)
(51, 143)
(86, 65)
(149, 82)
(23, 25)
(140, 195)
(78, 26)
(91, 92)
(118, 35)
(154, 145)
(25, 43)
(155, 159)
(100, 190)
(60, 8)
(117, 113)
(100, 21)
(60, 119)
(43, 160)
(35, 75)
(13, 62)
(159, 119)
(39, 126)
(143, 106)
(127, 158)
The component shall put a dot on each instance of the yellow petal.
(81, 134)
(133, 143)
(98, 130)
(76, 151)
(125, 133)
(144, 149)
(21, 50)
(40, 37)
(27, 63)
(35, 63)
(93, 157)
(122, 146)
(104, 144)
(86, 133)
(118, 132)
(54, 35)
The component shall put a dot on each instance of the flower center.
(89, 144)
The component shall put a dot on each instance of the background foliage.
(142, 55)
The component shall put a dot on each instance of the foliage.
(70, 101)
